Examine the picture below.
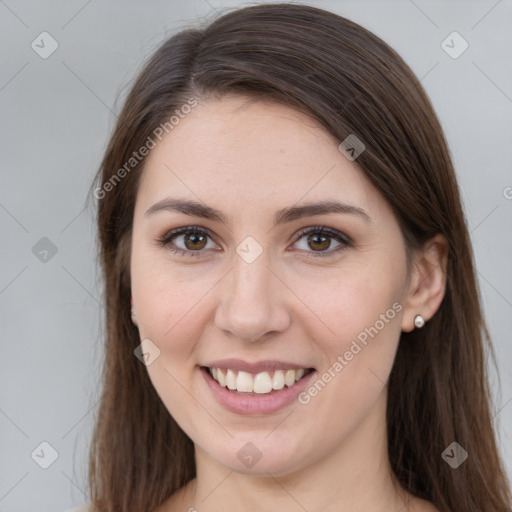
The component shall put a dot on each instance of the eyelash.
(343, 239)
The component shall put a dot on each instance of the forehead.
(237, 147)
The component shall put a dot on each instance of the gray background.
(56, 116)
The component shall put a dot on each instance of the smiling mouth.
(263, 383)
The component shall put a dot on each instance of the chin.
(260, 454)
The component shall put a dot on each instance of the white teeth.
(261, 383)
(289, 378)
(221, 378)
(231, 379)
(244, 382)
(278, 380)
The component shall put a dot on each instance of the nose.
(252, 303)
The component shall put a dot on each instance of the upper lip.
(255, 367)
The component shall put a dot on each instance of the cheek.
(363, 309)
(356, 360)
(352, 302)
(172, 304)
(168, 303)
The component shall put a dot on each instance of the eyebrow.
(196, 209)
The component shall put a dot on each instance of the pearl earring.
(133, 312)
(419, 321)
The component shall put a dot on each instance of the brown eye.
(191, 241)
(188, 241)
(319, 242)
(194, 241)
(318, 239)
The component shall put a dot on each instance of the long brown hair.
(352, 83)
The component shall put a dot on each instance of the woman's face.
(255, 295)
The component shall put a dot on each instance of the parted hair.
(351, 82)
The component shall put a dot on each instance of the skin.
(248, 159)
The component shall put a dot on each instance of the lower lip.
(256, 404)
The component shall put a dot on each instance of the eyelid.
(185, 229)
(331, 232)
(165, 240)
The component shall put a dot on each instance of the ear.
(133, 313)
(427, 282)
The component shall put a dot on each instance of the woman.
(293, 321)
